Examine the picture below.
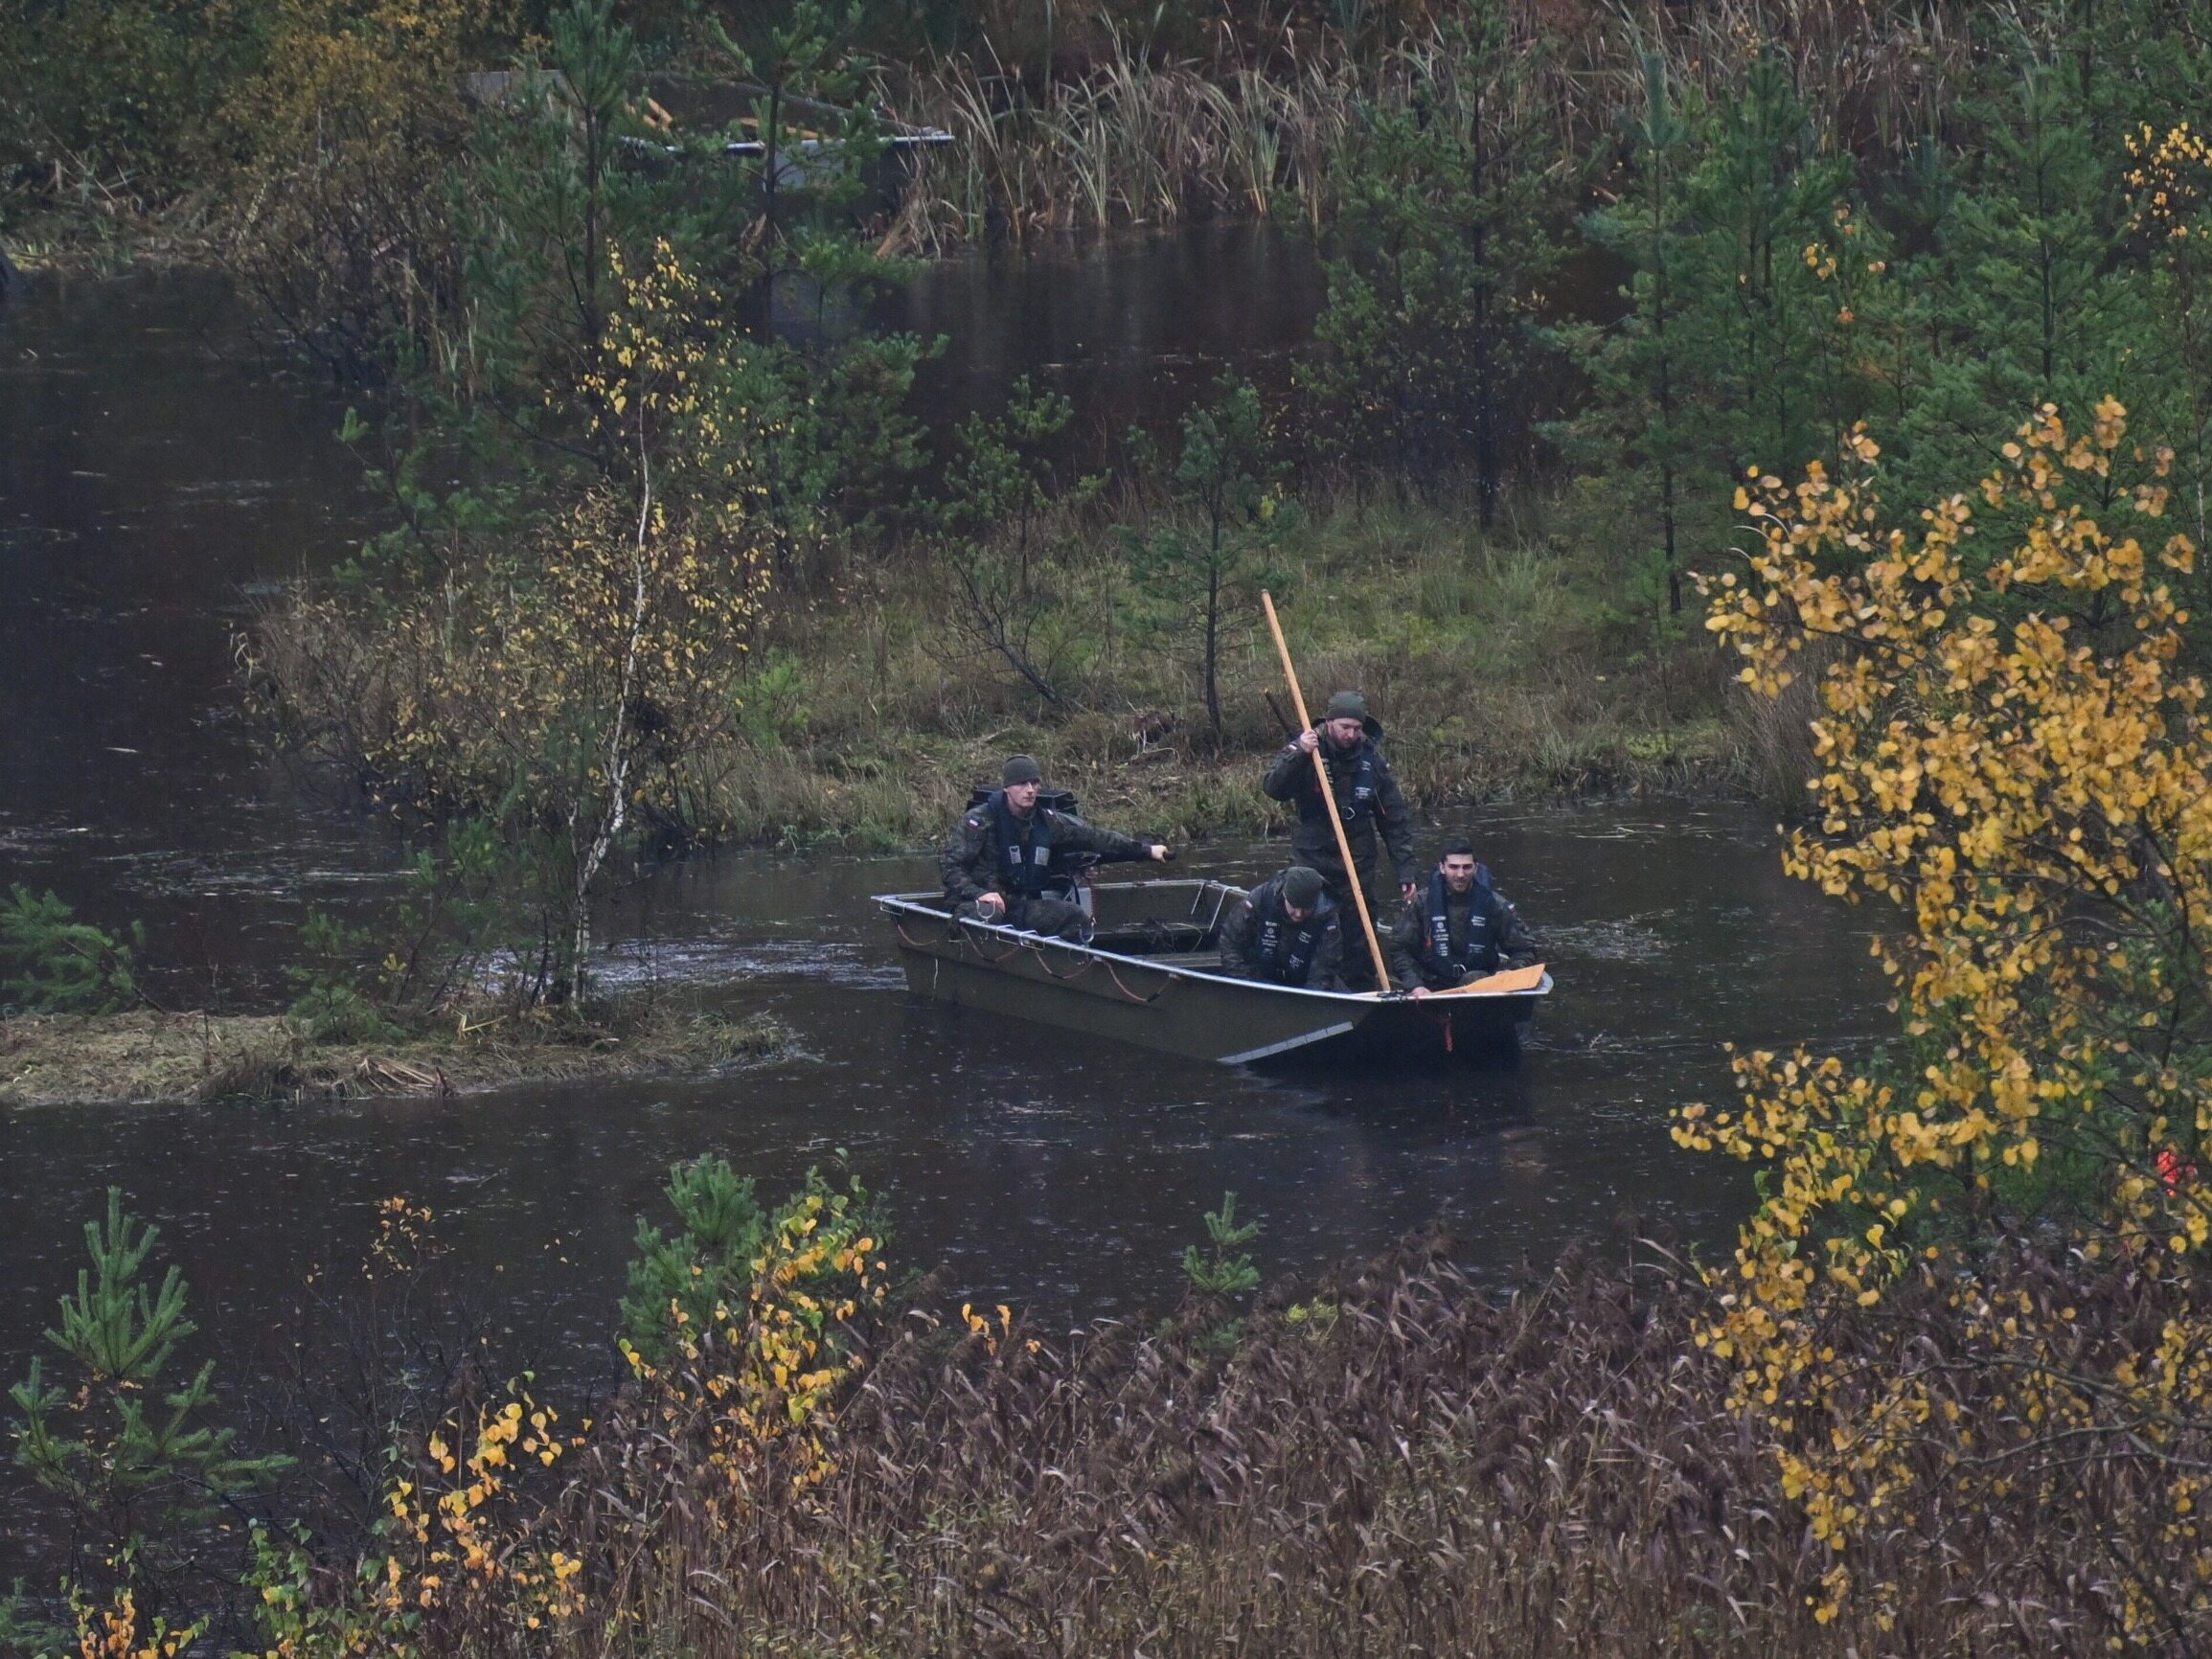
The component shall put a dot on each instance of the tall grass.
(1501, 667)
(1128, 138)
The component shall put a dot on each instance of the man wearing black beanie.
(1007, 859)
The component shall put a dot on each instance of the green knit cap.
(1346, 706)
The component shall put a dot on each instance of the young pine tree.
(134, 1463)
(989, 533)
(1440, 242)
(1756, 328)
(2032, 307)
(1227, 476)
(721, 1227)
(1637, 376)
(52, 962)
(2170, 222)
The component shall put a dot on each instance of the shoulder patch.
(974, 823)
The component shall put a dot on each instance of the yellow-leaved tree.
(571, 683)
(339, 222)
(1977, 1268)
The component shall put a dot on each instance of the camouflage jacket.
(974, 862)
(1367, 795)
(1483, 931)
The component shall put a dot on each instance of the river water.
(157, 473)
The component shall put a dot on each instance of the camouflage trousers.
(1383, 904)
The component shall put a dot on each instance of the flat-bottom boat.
(1150, 975)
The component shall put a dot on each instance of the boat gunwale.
(893, 904)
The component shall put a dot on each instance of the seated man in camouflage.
(1284, 932)
(1008, 859)
(1460, 929)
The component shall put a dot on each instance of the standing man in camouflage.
(1461, 929)
(1007, 860)
(1372, 811)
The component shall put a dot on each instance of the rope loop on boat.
(1132, 995)
(1082, 968)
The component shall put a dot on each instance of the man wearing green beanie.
(1007, 861)
(1286, 931)
(1368, 801)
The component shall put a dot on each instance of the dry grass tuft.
(1121, 136)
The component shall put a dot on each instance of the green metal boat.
(1150, 975)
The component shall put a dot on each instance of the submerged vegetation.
(147, 1056)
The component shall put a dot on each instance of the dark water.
(156, 473)
(1062, 1172)
(154, 477)
(160, 469)
(1131, 338)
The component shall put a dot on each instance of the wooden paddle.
(1329, 799)
(1512, 979)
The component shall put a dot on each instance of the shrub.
(62, 965)
(2009, 751)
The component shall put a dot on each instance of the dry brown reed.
(1130, 139)
(1394, 1464)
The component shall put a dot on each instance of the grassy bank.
(1510, 665)
(152, 1058)
(1513, 665)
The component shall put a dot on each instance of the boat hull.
(1169, 998)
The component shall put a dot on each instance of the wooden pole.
(1329, 799)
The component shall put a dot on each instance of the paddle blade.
(1498, 984)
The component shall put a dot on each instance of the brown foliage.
(1399, 1465)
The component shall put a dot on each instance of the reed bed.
(1255, 129)
(1392, 1464)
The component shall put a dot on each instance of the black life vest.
(1481, 949)
(1021, 876)
(1358, 802)
(1285, 949)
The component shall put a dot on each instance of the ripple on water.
(723, 962)
(1626, 939)
(240, 870)
(30, 838)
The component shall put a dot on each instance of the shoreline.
(1198, 805)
